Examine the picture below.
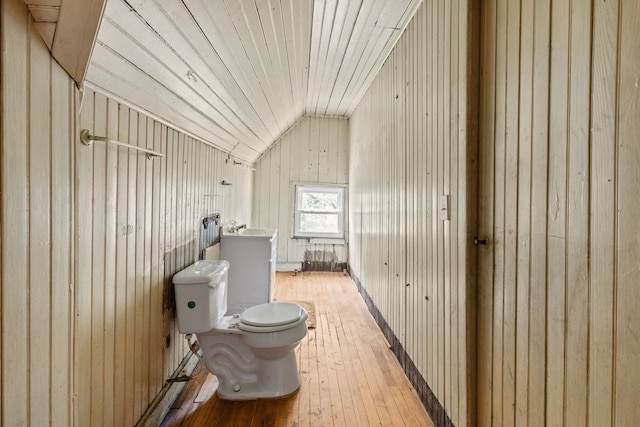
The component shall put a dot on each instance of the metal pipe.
(87, 139)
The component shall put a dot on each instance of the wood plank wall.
(314, 150)
(137, 225)
(559, 177)
(38, 126)
(91, 237)
(411, 141)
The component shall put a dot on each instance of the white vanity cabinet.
(251, 253)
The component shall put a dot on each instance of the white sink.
(255, 232)
(249, 232)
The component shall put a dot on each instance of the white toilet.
(251, 353)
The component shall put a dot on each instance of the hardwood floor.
(349, 376)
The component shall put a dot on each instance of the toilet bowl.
(252, 353)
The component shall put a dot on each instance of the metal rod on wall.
(87, 139)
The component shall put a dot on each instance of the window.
(319, 211)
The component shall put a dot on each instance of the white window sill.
(322, 240)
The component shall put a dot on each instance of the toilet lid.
(271, 314)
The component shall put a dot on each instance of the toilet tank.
(201, 295)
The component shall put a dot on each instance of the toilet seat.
(271, 317)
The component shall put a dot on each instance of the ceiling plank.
(340, 39)
(107, 69)
(149, 53)
(394, 22)
(216, 24)
(239, 73)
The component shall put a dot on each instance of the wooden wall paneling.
(265, 188)
(523, 206)
(626, 345)
(148, 355)
(423, 306)
(62, 205)
(163, 259)
(448, 145)
(485, 222)
(420, 258)
(468, 74)
(179, 248)
(440, 145)
(400, 232)
(299, 148)
(431, 212)
(176, 231)
(156, 275)
(406, 130)
(285, 213)
(119, 371)
(128, 263)
(39, 240)
(109, 123)
(510, 231)
(627, 342)
(130, 335)
(311, 151)
(168, 253)
(273, 182)
(138, 298)
(324, 166)
(603, 210)
(255, 213)
(578, 194)
(410, 231)
(219, 160)
(498, 387)
(434, 192)
(37, 257)
(387, 286)
(454, 171)
(557, 269)
(539, 214)
(96, 264)
(84, 263)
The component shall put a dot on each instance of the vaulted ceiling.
(239, 73)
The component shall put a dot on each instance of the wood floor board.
(349, 376)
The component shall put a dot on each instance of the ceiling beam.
(75, 35)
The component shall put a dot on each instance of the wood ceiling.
(238, 73)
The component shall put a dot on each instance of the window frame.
(299, 189)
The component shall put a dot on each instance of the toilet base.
(243, 374)
(258, 396)
(273, 379)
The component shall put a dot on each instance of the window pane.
(319, 223)
(320, 202)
